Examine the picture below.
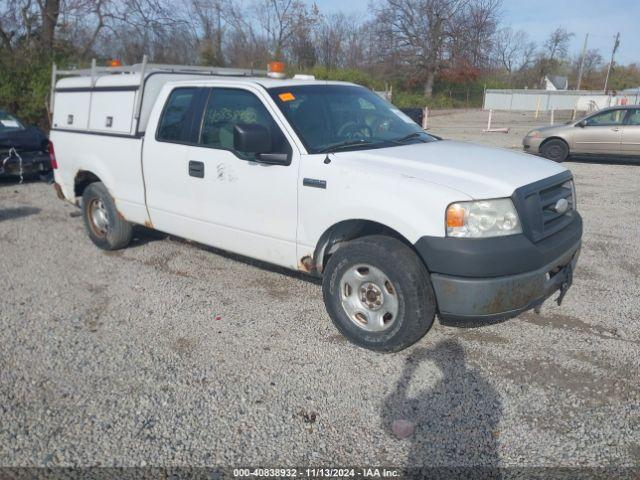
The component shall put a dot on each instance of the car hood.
(551, 129)
(476, 170)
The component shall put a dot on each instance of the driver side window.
(611, 117)
(634, 118)
(229, 107)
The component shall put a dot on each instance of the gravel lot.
(119, 358)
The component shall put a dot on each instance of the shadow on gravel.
(143, 235)
(454, 421)
(13, 213)
(14, 180)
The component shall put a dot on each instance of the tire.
(104, 225)
(556, 150)
(375, 269)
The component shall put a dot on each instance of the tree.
(278, 20)
(592, 66)
(556, 46)
(426, 31)
(302, 51)
(330, 38)
(513, 50)
(49, 11)
(209, 22)
(553, 56)
(473, 33)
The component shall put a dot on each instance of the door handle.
(615, 129)
(196, 169)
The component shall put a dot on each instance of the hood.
(476, 170)
(551, 129)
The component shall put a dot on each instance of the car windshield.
(9, 122)
(345, 117)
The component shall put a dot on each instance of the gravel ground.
(168, 353)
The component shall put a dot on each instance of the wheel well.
(345, 231)
(83, 179)
(547, 140)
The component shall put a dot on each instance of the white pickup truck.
(322, 177)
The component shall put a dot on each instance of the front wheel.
(106, 228)
(556, 150)
(378, 293)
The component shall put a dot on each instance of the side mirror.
(581, 124)
(251, 138)
(273, 158)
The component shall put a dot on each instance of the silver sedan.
(612, 132)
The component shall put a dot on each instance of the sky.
(602, 19)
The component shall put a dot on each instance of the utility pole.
(584, 54)
(616, 44)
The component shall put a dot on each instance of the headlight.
(484, 218)
(534, 133)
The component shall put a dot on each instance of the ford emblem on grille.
(561, 206)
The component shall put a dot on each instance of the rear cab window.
(181, 115)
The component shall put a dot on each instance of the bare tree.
(49, 11)
(592, 74)
(331, 36)
(554, 53)
(209, 24)
(278, 20)
(513, 50)
(302, 52)
(473, 31)
(426, 30)
(556, 46)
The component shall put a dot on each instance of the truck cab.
(321, 177)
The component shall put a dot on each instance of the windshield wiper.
(411, 136)
(342, 145)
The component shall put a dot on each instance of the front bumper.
(499, 298)
(499, 278)
(532, 144)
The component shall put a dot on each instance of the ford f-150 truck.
(321, 177)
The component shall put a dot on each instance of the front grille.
(537, 206)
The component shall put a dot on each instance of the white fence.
(547, 100)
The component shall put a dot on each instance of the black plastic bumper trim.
(497, 256)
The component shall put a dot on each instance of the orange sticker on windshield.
(287, 97)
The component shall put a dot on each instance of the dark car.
(23, 150)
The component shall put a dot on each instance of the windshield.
(336, 117)
(9, 122)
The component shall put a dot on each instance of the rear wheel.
(378, 293)
(556, 150)
(104, 225)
